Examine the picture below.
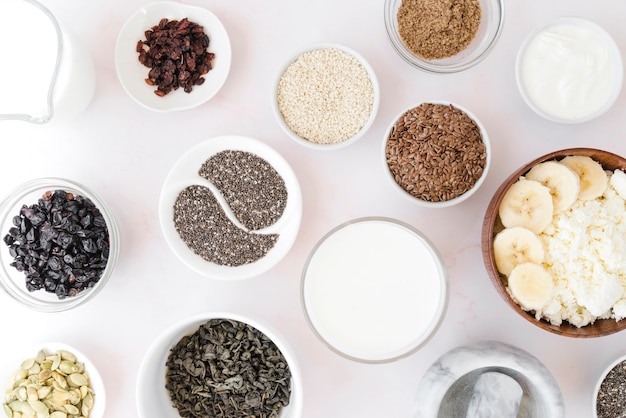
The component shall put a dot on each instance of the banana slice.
(528, 204)
(531, 286)
(515, 246)
(593, 178)
(563, 182)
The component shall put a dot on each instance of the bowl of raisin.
(59, 246)
(171, 56)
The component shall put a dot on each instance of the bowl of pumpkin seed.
(52, 380)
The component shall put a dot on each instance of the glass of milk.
(374, 290)
(50, 75)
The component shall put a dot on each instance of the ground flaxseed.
(611, 398)
(436, 29)
(252, 188)
(435, 152)
(204, 226)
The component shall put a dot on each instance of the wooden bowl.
(492, 225)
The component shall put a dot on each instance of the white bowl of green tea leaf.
(185, 368)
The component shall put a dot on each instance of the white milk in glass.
(374, 290)
(38, 53)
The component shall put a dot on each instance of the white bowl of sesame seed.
(326, 97)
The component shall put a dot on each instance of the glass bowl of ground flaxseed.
(443, 36)
(231, 207)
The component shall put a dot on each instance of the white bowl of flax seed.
(431, 36)
(436, 164)
(326, 97)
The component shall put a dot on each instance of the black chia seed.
(252, 188)
(611, 400)
(204, 226)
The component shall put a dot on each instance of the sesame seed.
(325, 96)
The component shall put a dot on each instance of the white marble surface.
(124, 152)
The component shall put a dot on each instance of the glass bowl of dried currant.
(182, 72)
(432, 36)
(59, 246)
(220, 361)
(436, 154)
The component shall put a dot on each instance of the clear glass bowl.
(488, 33)
(363, 295)
(13, 281)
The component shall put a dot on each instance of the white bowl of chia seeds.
(252, 368)
(432, 163)
(59, 246)
(326, 96)
(231, 208)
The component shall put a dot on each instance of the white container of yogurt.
(374, 290)
(569, 70)
(51, 76)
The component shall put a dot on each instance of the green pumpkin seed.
(66, 355)
(44, 391)
(56, 360)
(88, 402)
(77, 380)
(27, 364)
(58, 414)
(39, 407)
(8, 411)
(31, 393)
(71, 409)
(68, 367)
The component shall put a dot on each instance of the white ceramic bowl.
(363, 295)
(13, 281)
(557, 80)
(332, 146)
(11, 363)
(153, 400)
(488, 34)
(185, 173)
(596, 390)
(132, 73)
(446, 203)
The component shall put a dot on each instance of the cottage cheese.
(586, 255)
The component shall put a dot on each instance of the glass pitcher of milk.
(46, 74)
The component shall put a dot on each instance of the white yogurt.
(374, 289)
(570, 71)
